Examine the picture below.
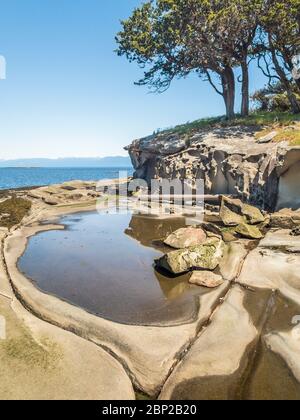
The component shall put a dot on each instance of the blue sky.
(68, 94)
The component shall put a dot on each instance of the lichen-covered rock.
(234, 212)
(252, 214)
(206, 256)
(229, 212)
(229, 235)
(206, 279)
(249, 232)
(186, 237)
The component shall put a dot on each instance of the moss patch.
(13, 210)
(26, 350)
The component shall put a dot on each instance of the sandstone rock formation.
(229, 160)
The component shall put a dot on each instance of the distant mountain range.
(105, 162)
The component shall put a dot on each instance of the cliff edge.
(230, 160)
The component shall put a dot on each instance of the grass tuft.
(257, 118)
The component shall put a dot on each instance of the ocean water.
(29, 177)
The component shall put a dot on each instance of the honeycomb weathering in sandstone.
(229, 160)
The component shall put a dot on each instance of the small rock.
(50, 201)
(68, 188)
(206, 279)
(186, 237)
(35, 196)
(268, 138)
(77, 196)
(4, 215)
(249, 232)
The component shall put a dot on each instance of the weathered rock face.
(229, 160)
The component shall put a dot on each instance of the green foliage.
(256, 118)
(172, 38)
(274, 97)
(13, 210)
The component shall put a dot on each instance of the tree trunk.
(245, 88)
(228, 83)
(290, 64)
(286, 83)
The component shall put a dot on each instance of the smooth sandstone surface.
(271, 267)
(280, 239)
(73, 354)
(147, 352)
(215, 355)
(287, 345)
(41, 361)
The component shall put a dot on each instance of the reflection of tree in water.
(149, 230)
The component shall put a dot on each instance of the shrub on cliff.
(273, 98)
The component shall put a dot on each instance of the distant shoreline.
(69, 162)
(18, 178)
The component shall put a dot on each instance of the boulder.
(230, 212)
(186, 237)
(234, 212)
(206, 256)
(268, 138)
(253, 214)
(206, 279)
(249, 232)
